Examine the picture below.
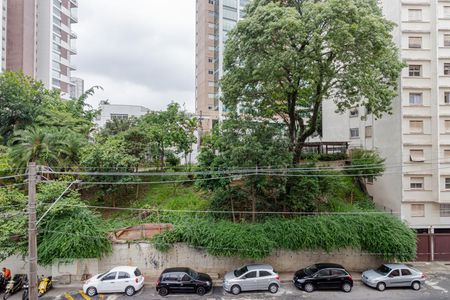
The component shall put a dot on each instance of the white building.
(118, 111)
(41, 41)
(77, 87)
(415, 139)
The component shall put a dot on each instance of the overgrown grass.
(174, 197)
(377, 234)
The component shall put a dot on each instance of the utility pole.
(32, 233)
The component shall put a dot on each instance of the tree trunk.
(232, 210)
(253, 206)
(137, 191)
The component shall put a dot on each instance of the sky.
(141, 52)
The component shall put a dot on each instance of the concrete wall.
(152, 262)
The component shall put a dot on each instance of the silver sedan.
(252, 278)
(393, 275)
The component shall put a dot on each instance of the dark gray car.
(252, 278)
(393, 275)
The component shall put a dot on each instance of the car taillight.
(350, 277)
(277, 278)
(158, 282)
(137, 280)
(423, 276)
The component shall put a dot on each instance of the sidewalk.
(432, 267)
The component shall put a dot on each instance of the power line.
(13, 176)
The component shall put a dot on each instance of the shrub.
(378, 234)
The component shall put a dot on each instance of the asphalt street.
(436, 288)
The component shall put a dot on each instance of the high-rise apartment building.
(3, 13)
(40, 40)
(214, 19)
(415, 139)
(77, 88)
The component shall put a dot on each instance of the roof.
(329, 265)
(394, 266)
(259, 267)
(123, 268)
(180, 269)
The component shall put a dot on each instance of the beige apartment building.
(41, 42)
(415, 139)
(214, 19)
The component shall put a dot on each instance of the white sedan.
(124, 279)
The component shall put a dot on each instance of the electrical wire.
(13, 176)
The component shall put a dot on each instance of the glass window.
(446, 156)
(416, 155)
(446, 68)
(368, 131)
(186, 278)
(264, 274)
(228, 25)
(354, 133)
(354, 113)
(414, 14)
(383, 270)
(229, 13)
(416, 126)
(230, 3)
(337, 272)
(447, 125)
(123, 275)
(406, 272)
(444, 210)
(110, 276)
(446, 40)
(323, 273)
(415, 98)
(395, 273)
(417, 210)
(137, 272)
(447, 183)
(251, 274)
(415, 42)
(416, 183)
(446, 11)
(447, 97)
(415, 70)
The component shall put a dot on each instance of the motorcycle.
(45, 284)
(14, 285)
(3, 282)
(26, 285)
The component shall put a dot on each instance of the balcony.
(74, 3)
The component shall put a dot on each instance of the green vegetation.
(379, 234)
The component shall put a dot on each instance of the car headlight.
(300, 280)
(208, 283)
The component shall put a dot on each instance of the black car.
(183, 280)
(323, 276)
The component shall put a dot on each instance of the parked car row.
(256, 277)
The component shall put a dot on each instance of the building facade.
(77, 87)
(415, 139)
(41, 42)
(109, 112)
(214, 19)
(3, 16)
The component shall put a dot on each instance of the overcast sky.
(140, 51)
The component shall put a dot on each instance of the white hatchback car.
(123, 279)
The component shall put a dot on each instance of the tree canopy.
(287, 57)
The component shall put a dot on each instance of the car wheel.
(309, 287)
(381, 286)
(129, 291)
(347, 287)
(163, 291)
(91, 291)
(273, 288)
(201, 291)
(235, 289)
(415, 285)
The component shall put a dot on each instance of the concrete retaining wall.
(152, 262)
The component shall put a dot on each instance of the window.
(137, 272)
(406, 272)
(446, 156)
(416, 126)
(211, 96)
(211, 48)
(395, 273)
(354, 133)
(354, 113)
(444, 210)
(186, 278)
(416, 183)
(210, 72)
(123, 275)
(416, 155)
(447, 97)
(447, 183)
(417, 210)
(446, 68)
(211, 25)
(368, 131)
(415, 70)
(251, 274)
(211, 84)
(230, 3)
(323, 273)
(229, 13)
(228, 25)
(446, 11)
(211, 2)
(415, 42)
(446, 40)
(447, 126)
(414, 14)
(415, 98)
(110, 276)
(337, 272)
(264, 274)
(119, 116)
(210, 59)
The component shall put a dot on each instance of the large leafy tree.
(20, 101)
(288, 56)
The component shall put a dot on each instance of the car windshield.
(193, 274)
(311, 270)
(98, 276)
(383, 270)
(240, 271)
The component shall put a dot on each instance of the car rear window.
(338, 272)
(406, 272)
(123, 275)
(264, 274)
(137, 272)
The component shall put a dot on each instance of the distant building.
(77, 87)
(118, 111)
(40, 40)
(3, 15)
